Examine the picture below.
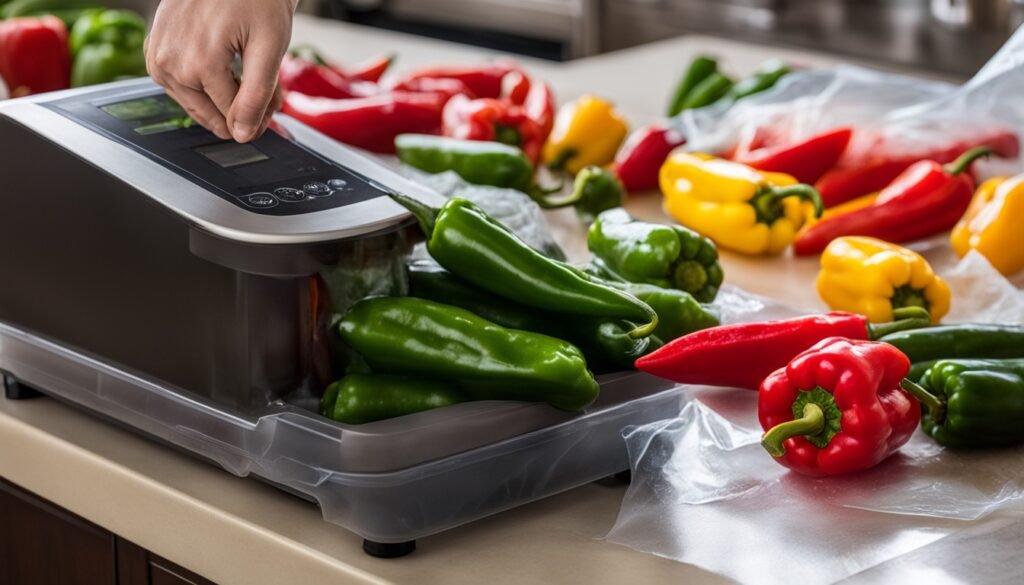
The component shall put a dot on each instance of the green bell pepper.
(363, 398)
(473, 246)
(972, 403)
(930, 344)
(666, 256)
(605, 343)
(415, 337)
(700, 69)
(107, 45)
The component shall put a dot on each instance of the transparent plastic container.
(391, 481)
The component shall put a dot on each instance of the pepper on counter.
(702, 67)
(837, 408)
(414, 337)
(972, 403)
(741, 355)
(587, 132)
(362, 398)
(370, 70)
(638, 161)
(765, 78)
(669, 256)
(926, 199)
(992, 224)
(464, 239)
(926, 346)
(739, 208)
(34, 55)
(107, 46)
(309, 75)
(493, 120)
(806, 160)
(484, 81)
(874, 278)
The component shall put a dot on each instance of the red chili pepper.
(741, 355)
(639, 160)
(448, 87)
(871, 168)
(306, 77)
(806, 160)
(484, 81)
(926, 199)
(493, 120)
(838, 407)
(34, 55)
(371, 70)
(371, 122)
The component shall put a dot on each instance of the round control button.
(289, 195)
(259, 200)
(337, 184)
(316, 189)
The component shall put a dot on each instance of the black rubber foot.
(388, 550)
(15, 390)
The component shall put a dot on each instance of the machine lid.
(292, 185)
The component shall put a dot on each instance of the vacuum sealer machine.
(173, 282)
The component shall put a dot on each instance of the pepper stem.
(767, 203)
(967, 159)
(689, 275)
(903, 318)
(424, 214)
(563, 158)
(811, 422)
(646, 329)
(906, 297)
(935, 405)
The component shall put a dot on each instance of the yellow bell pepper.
(587, 132)
(992, 224)
(739, 208)
(871, 277)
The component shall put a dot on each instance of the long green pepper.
(363, 398)
(967, 341)
(472, 245)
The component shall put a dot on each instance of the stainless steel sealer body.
(138, 238)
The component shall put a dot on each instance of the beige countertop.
(235, 530)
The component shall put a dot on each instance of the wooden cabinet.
(44, 544)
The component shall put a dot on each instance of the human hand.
(192, 46)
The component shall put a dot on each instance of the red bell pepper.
(807, 160)
(534, 97)
(871, 164)
(838, 407)
(639, 160)
(924, 200)
(484, 81)
(304, 76)
(493, 120)
(371, 122)
(741, 355)
(34, 55)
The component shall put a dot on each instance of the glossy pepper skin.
(415, 337)
(992, 225)
(480, 163)
(34, 55)
(678, 312)
(370, 70)
(638, 161)
(973, 340)
(485, 81)
(362, 398)
(666, 256)
(595, 190)
(713, 356)
(315, 79)
(806, 160)
(493, 120)
(473, 246)
(926, 199)
(373, 122)
(107, 45)
(972, 403)
(837, 408)
(533, 96)
(702, 67)
(587, 132)
(872, 278)
(736, 206)
(605, 343)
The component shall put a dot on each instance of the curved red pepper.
(34, 55)
(639, 160)
(806, 160)
(838, 407)
(741, 355)
(493, 120)
(447, 87)
(372, 122)
(307, 77)
(924, 200)
(484, 81)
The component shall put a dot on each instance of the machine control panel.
(273, 175)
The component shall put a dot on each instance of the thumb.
(260, 64)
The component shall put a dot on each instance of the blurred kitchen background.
(948, 37)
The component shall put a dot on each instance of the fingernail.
(242, 131)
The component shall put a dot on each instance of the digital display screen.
(231, 154)
(143, 108)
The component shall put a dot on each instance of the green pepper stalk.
(594, 190)
(363, 398)
(473, 246)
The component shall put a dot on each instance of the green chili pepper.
(700, 69)
(713, 88)
(416, 337)
(604, 342)
(762, 80)
(107, 45)
(927, 345)
(972, 403)
(472, 245)
(666, 256)
(363, 398)
(478, 162)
